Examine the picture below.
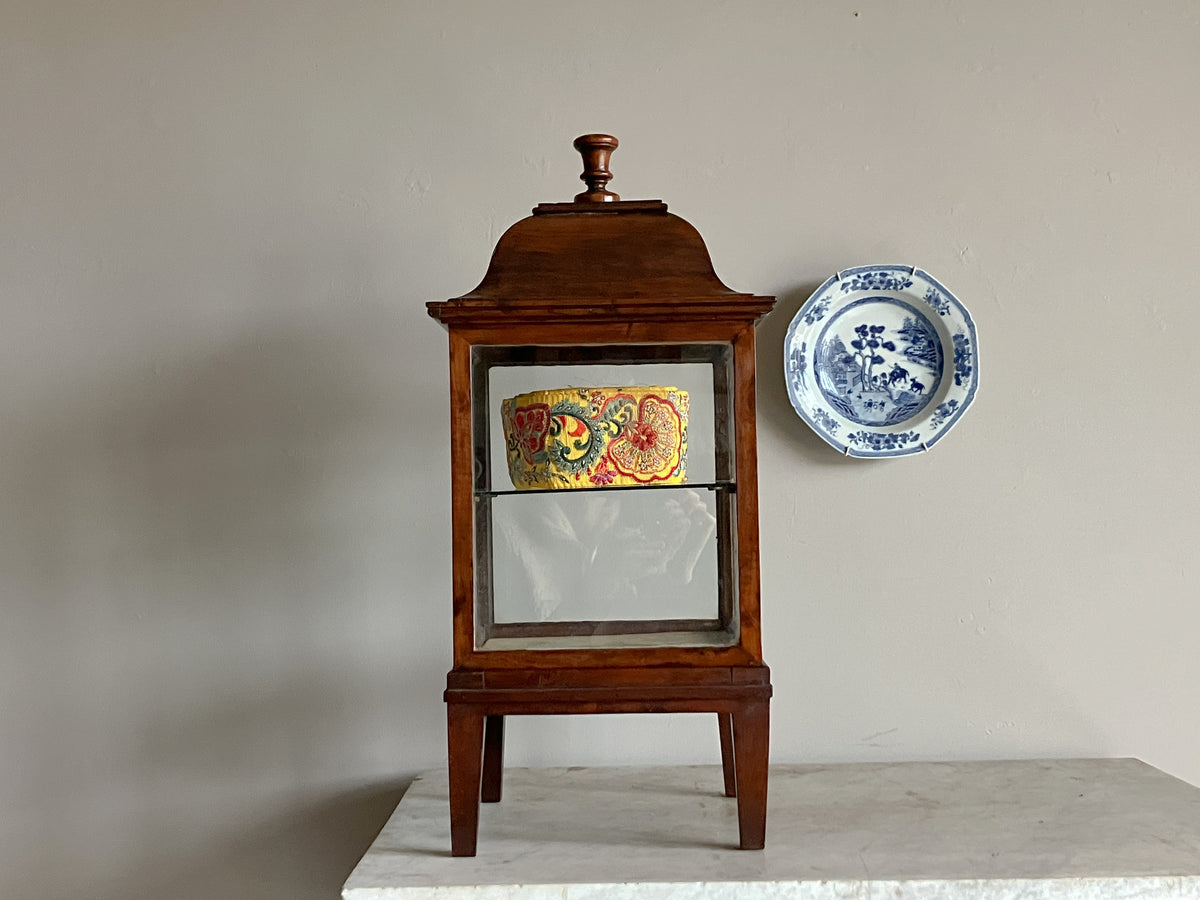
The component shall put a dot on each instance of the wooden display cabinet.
(637, 599)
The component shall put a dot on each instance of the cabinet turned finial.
(596, 150)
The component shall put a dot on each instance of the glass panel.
(606, 556)
(625, 562)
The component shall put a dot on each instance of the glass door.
(604, 496)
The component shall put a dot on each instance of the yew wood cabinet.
(603, 598)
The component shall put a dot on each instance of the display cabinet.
(604, 490)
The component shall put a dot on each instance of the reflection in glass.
(596, 556)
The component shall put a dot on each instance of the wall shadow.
(304, 853)
(776, 415)
(221, 596)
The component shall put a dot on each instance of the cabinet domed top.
(599, 258)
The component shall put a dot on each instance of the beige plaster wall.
(223, 475)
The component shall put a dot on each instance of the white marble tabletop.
(1091, 828)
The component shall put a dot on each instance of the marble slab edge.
(1115, 888)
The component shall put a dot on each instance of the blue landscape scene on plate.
(878, 361)
(881, 361)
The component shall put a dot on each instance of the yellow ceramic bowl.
(596, 437)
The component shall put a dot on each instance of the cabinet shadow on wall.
(776, 415)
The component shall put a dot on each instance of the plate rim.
(806, 309)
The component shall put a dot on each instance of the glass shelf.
(729, 486)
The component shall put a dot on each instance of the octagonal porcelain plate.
(881, 361)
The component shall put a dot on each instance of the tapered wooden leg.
(725, 725)
(751, 739)
(493, 759)
(465, 727)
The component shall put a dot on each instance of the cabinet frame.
(615, 282)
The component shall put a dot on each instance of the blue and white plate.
(881, 361)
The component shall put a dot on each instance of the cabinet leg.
(465, 728)
(751, 742)
(493, 759)
(725, 725)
